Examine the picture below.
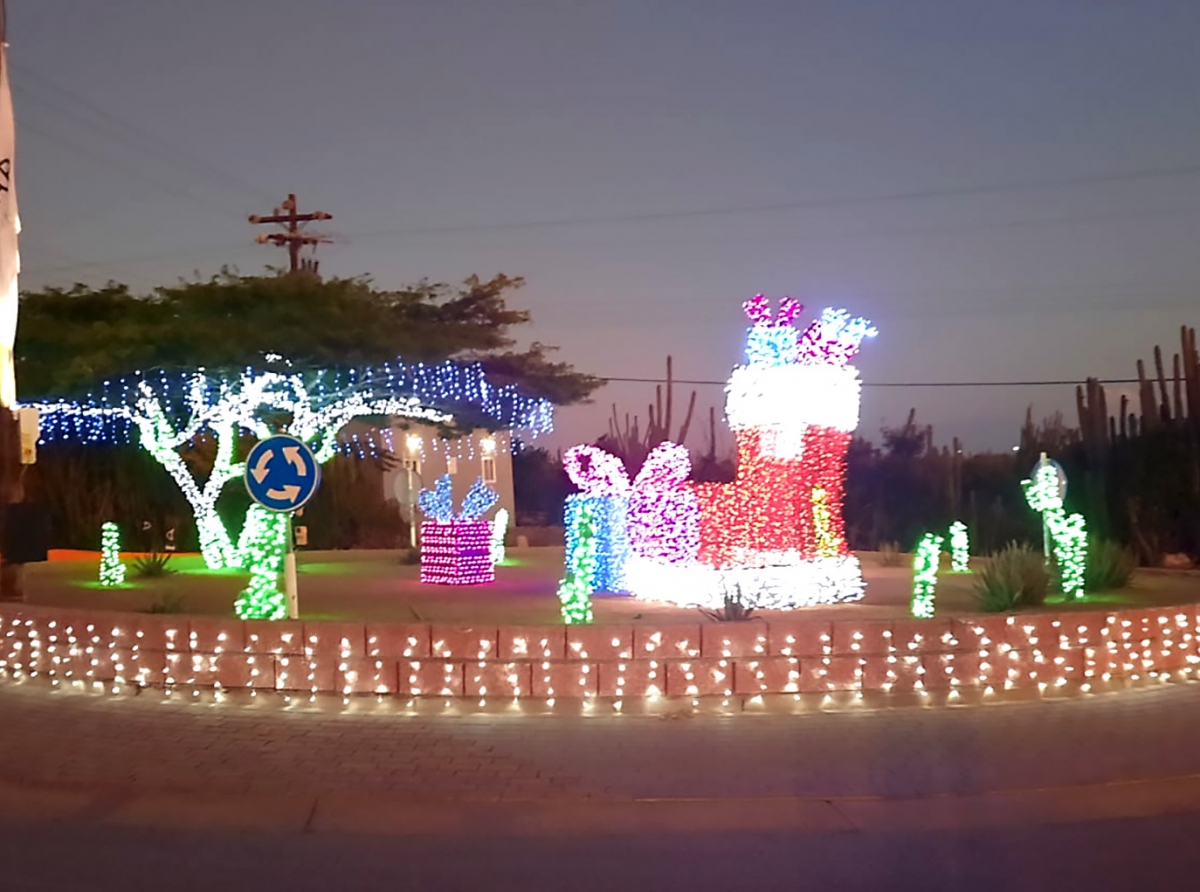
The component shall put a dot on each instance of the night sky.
(1011, 190)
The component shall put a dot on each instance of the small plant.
(168, 602)
(1013, 577)
(1109, 566)
(410, 557)
(890, 555)
(734, 611)
(153, 566)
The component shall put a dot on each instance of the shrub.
(410, 556)
(153, 566)
(734, 610)
(1109, 566)
(1013, 577)
(890, 555)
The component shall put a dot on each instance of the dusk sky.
(1010, 190)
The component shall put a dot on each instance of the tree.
(190, 370)
(71, 339)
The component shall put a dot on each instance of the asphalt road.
(99, 793)
(1147, 854)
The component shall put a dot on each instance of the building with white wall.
(423, 455)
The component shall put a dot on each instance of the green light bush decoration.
(925, 568)
(960, 548)
(575, 591)
(112, 571)
(265, 543)
(1068, 533)
(499, 529)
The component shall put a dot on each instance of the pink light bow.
(596, 472)
(664, 515)
(758, 309)
(666, 467)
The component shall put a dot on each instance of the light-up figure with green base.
(112, 571)
(960, 548)
(264, 541)
(575, 591)
(1067, 533)
(925, 569)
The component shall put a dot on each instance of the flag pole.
(11, 575)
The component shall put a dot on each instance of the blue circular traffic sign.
(281, 473)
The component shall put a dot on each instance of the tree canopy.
(70, 339)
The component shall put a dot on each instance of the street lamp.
(413, 443)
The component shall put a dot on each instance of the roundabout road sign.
(281, 473)
(1058, 469)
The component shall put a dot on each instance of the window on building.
(489, 470)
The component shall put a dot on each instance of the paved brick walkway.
(148, 743)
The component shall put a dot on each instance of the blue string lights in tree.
(167, 412)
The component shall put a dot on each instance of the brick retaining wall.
(792, 655)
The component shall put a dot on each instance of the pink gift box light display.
(456, 549)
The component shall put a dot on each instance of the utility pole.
(293, 237)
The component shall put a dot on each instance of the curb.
(581, 817)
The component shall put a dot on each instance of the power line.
(1060, 383)
(112, 162)
(813, 203)
(135, 137)
(168, 254)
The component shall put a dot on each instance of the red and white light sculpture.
(774, 537)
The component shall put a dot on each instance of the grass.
(1109, 566)
(1013, 578)
(153, 566)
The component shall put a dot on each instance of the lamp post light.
(413, 444)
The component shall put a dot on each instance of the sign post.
(282, 474)
(1043, 462)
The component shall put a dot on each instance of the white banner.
(10, 226)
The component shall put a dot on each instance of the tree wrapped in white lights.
(166, 413)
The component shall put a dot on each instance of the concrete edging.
(783, 656)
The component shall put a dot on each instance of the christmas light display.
(805, 583)
(827, 542)
(1068, 533)
(606, 488)
(457, 552)
(575, 591)
(776, 531)
(499, 530)
(112, 571)
(167, 413)
(264, 543)
(438, 503)
(664, 516)
(456, 549)
(1078, 652)
(925, 569)
(478, 500)
(960, 548)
